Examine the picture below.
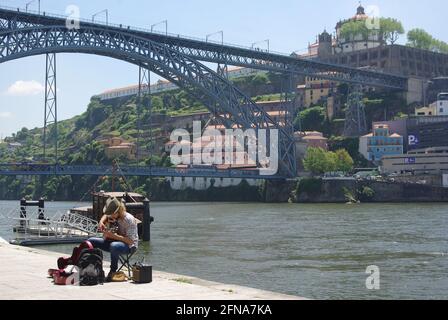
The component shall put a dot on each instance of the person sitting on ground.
(121, 242)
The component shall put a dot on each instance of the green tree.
(157, 103)
(315, 160)
(260, 79)
(390, 30)
(419, 38)
(439, 46)
(23, 134)
(331, 161)
(344, 161)
(311, 119)
(351, 30)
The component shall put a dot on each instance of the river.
(318, 251)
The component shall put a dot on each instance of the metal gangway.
(35, 229)
(78, 222)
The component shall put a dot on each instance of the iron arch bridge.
(177, 59)
(233, 107)
(201, 50)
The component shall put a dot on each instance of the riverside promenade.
(24, 276)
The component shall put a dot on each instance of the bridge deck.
(226, 53)
(44, 169)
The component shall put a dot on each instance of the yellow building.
(317, 90)
(116, 147)
(426, 111)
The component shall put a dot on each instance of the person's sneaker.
(109, 276)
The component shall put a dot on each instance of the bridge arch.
(231, 107)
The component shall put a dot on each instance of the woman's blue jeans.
(116, 249)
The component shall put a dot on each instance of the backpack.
(73, 259)
(89, 263)
(90, 267)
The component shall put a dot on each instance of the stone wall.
(332, 191)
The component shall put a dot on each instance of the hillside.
(79, 137)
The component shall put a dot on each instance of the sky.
(288, 24)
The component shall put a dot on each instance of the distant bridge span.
(128, 171)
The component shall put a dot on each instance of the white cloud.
(25, 88)
(5, 114)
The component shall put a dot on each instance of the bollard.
(147, 219)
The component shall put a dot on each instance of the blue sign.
(409, 160)
(413, 140)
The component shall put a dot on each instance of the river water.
(315, 251)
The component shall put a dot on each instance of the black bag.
(90, 267)
(142, 273)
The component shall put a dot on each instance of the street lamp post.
(27, 5)
(212, 34)
(164, 22)
(100, 12)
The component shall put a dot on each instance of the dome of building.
(360, 13)
(325, 37)
(360, 10)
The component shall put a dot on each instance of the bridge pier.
(355, 116)
(144, 88)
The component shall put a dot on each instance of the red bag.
(73, 260)
(62, 278)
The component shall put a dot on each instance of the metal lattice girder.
(15, 24)
(287, 99)
(51, 105)
(234, 107)
(144, 88)
(223, 70)
(355, 116)
(237, 56)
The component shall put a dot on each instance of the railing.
(70, 225)
(102, 170)
(140, 29)
(79, 222)
(318, 68)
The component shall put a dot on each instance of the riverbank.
(314, 190)
(24, 277)
(344, 190)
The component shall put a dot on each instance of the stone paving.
(24, 276)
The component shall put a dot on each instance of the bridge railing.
(51, 169)
(140, 29)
